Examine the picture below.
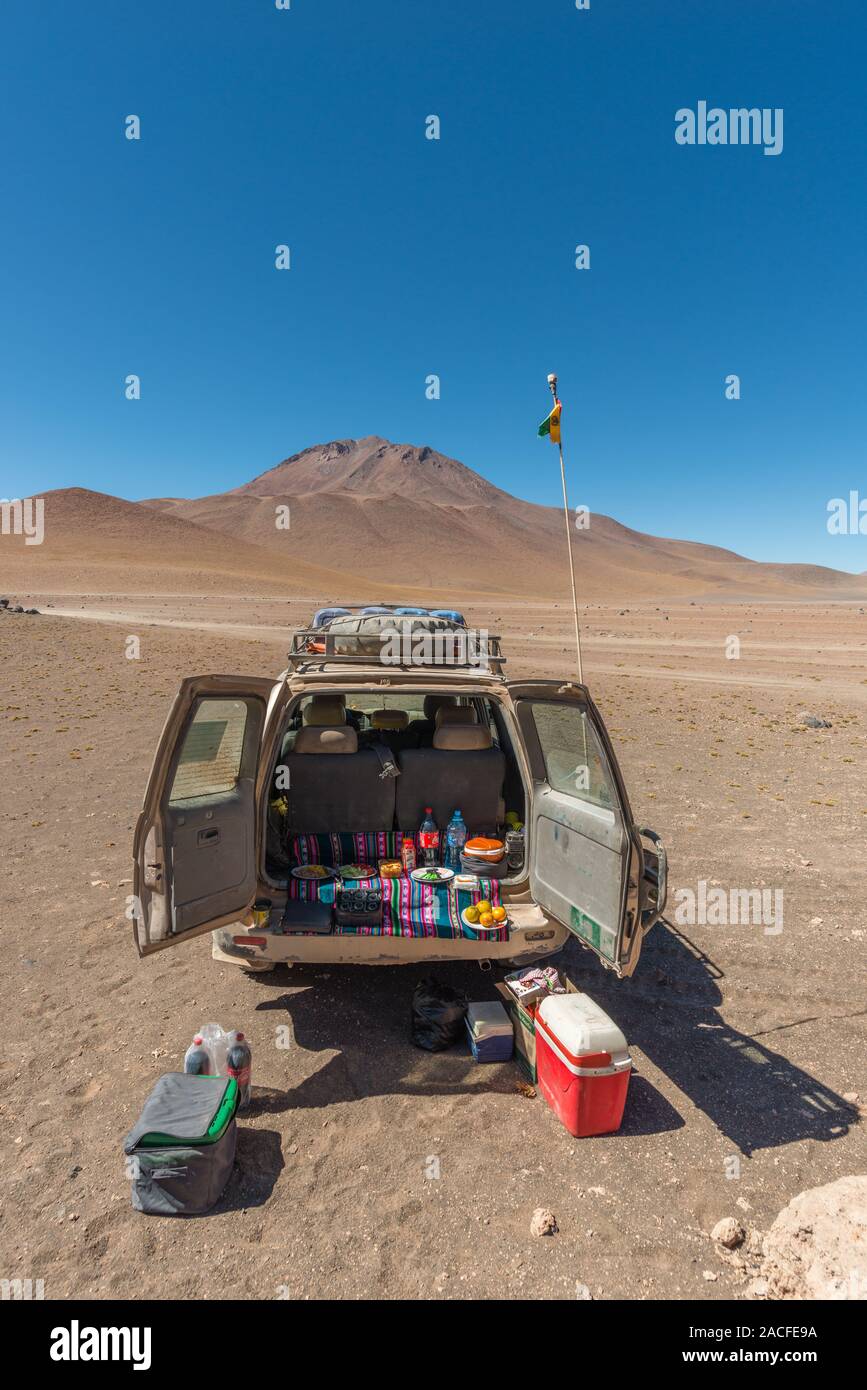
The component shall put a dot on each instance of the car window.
(366, 704)
(412, 703)
(575, 761)
(210, 759)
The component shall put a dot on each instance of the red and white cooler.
(583, 1064)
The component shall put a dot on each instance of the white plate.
(477, 926)
(348, 873)
(301, 872)
(445, 875)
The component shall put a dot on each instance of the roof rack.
(448, 647)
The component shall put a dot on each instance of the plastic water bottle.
(239, 1064)
(216, 1042)
(197, 1059)
(456, 838)
(429, 838)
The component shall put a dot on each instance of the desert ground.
(749, 1047)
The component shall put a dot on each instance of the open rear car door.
(196, 841)
(590, 867)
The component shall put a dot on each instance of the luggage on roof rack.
(396, 638)
(323, 616)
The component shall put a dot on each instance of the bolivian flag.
(551, 425)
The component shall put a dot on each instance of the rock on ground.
(543, 1222)
(817, 1247)
(728, 1232)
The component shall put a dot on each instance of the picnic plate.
(477, 926)
(313, 873)
(442, 875)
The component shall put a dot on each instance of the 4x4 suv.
(336, 760)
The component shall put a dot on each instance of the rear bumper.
(533, 937)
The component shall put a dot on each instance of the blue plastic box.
(489, 1030)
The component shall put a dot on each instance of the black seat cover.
(468, 779)
(339, 791)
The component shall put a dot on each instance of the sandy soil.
(745, 1043)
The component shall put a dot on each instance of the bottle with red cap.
(197, 1058)
(429, 838)
(239, 1064)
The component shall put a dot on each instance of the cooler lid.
(580, 1026)
(184, 1109)
(488, 1019)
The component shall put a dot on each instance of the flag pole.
(552, 382)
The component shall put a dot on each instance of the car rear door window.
(210, 757)
(575, 761)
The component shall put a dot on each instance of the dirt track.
(745, 1043)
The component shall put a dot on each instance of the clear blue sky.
(456, 257)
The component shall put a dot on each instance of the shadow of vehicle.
(669, 1009)
(360, 1017)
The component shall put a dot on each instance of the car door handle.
(211, 836)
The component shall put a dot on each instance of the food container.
(480, 847)
(358, 909)
(390, 868)
(583, 1064)
(483, 868)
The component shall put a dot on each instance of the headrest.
(389, 719)
(434, 702)
(325, 709)
(462, 738)
(455, 714)
(316, 739)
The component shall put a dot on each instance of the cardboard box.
(524, 1023)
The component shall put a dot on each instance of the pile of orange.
(485, 914)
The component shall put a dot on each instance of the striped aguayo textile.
(346, 847)
(410, 908)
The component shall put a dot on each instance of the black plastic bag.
(438, 1014)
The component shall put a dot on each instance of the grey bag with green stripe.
(181, 1150)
